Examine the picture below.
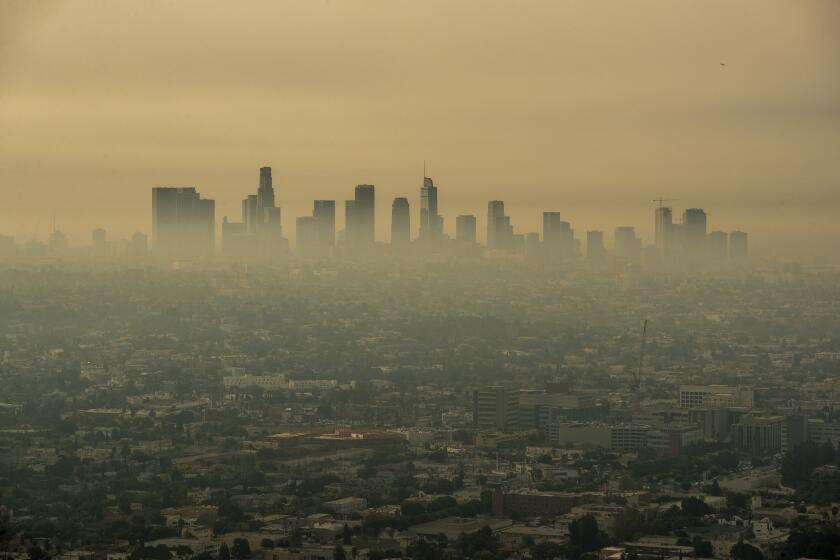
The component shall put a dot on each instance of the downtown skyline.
(581, 117)
(185, 224)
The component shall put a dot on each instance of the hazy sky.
(588, 107)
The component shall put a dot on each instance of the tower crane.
(660, 200)
(637, 375)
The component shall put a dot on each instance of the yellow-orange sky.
(587, 107)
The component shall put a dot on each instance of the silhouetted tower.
(465, 229)
(400, 223)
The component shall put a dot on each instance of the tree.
(695, 507)
(746, 551)
(224, 552)
(703, 549)
(546, 551)
(241, 549)
(584, 533)
(627, 524)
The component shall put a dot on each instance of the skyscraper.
(400, 223)
(532, 243)
(718, 245)
(738, 249)
(183, 224)
(431, 223)
(627, 245)
(265, 195)
(260, 233)
(249, 213)
(465, 230)
(663, 231)
(499, 230)
(694, 232)
(595, 249)
(99, 237)
(350, 228)
(360, 225)
(558, 236)
(323, 212)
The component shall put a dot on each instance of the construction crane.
(637, 375)
(660, 200)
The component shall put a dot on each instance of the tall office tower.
(57, 242)
(323, 211)
(595, 249)
(495, 213)
(236, 239)
(306, 234)
(350, 227)
(99, 237)
(558, 236)
(718, 245)
(400, 223)
(183, 224)
(627, 245)
(663, 228)
(738, 248)
(249, 213)
(496, 408)
(265, 195)
(552, 231)
(431, 223)
(465, 229)
(260, 233)
(694, 231)
(363, 233)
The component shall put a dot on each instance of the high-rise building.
(495, 212)
(236, 240)
(738, 249)
(183, 224)
(499, 230)
(431, 223)
(249, 213)
(99, 242)
(552, 231)
(265, 195)
(99, 237)
(465, 230)
(595, 249)
(57, 241)
(627, 245)
(360, 226)
(400, 223)
(350, 228)
(496, 408)
(558, 236)
(323, 212)
(694, 232)
(260, 233)
(663, 231)
(718, 245)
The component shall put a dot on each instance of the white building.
(715, 396)
(267, 382)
